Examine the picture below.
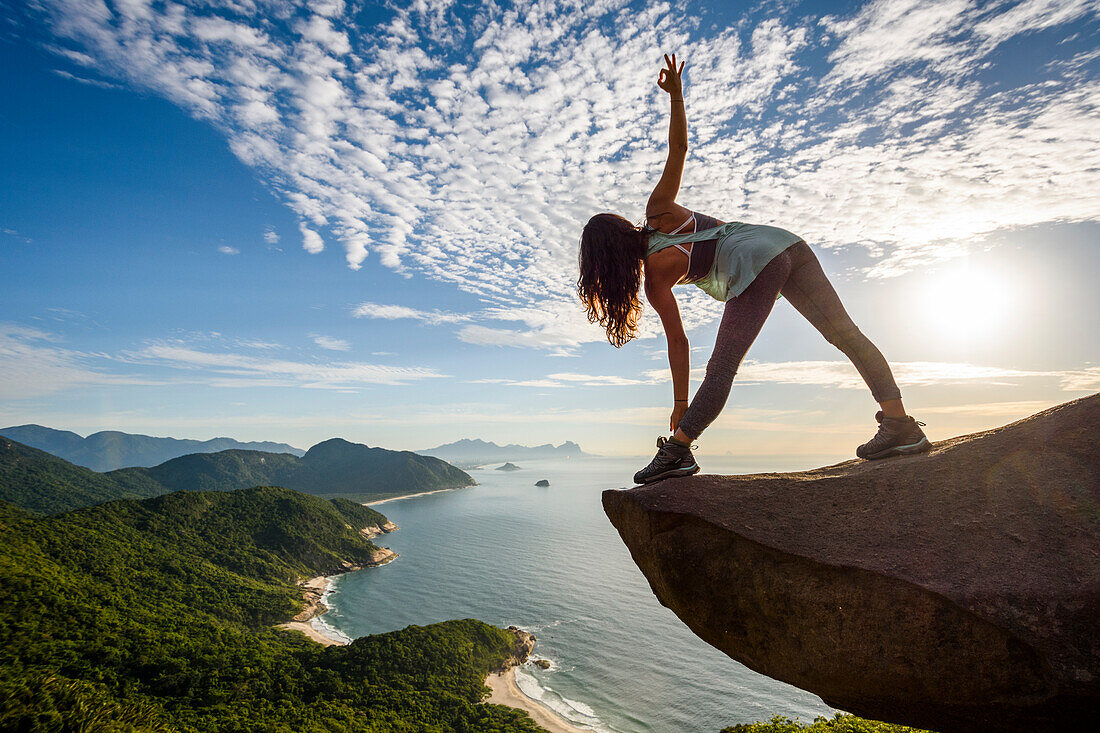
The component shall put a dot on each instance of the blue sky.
(290, 221)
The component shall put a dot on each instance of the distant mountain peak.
(474, 451)
(108, 450)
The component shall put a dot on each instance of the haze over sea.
(547, 560)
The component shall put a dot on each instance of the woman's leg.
(811, 293)
(741, 322)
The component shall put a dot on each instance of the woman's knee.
(845, 336)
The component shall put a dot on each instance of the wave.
(323, 627)
(326, 629)
(573, 711)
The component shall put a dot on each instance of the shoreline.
(507, 692)
(409, 496)
(314, 590)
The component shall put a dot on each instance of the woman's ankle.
(681, 439)
(892, 408)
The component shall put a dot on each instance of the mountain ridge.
(43, 483)
(469, 452)
(108, 450)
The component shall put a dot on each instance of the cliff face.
(957, 591)
(523, 643)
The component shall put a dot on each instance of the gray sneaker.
(671, 460)
(896, 436)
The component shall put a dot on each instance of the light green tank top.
(742, 251)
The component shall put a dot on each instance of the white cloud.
(257, 344)
(1082, 380)
(226, 369)
(991, 409)
(472, 152)
(843, 375)
(35, 364)
(271, 236)
(332, 344)
(398, 312)
(593, 380)
(311, 240)
(227, 250)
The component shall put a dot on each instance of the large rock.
(958, 590)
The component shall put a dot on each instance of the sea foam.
(573, 711)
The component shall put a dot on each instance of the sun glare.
(967, 304)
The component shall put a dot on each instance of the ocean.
(549, 561)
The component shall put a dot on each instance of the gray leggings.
(796, 274)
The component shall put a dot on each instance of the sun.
(963, 303)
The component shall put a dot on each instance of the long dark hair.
(611, 255)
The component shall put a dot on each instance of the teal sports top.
(742, 251)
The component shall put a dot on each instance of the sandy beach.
(314, 590)
(506, 692)
(306, 627)
(409, 496)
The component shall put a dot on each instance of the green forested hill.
(40, 482)
(111, 449)
(223, 471)
(157, 615)
(45, 484)
(332, 468)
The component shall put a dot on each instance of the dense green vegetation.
(839, 723)
(157, 615)
(39, 482)
(332, 468)
(222, 471)
(45, 484)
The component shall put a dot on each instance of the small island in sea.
(508, 467)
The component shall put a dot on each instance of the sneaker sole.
(920, 446)
(674, 473)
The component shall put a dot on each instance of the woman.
(744, 265)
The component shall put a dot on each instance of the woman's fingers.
(671, 66)
(669, 76)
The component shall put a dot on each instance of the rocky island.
(955, 591)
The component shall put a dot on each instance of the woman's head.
(611, 255)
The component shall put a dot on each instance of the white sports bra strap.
(689, 220)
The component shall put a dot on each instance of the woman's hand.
(677, 413)
(669, 78)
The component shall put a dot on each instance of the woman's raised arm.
(663, 197)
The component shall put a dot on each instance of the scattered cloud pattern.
(37, 363)
(469, 146)
(332, 344)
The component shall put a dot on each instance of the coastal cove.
(547, 561)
